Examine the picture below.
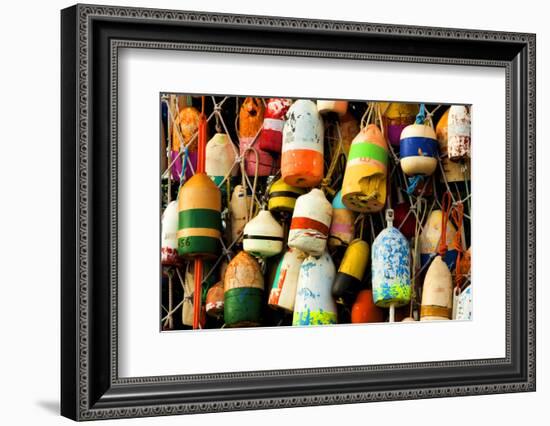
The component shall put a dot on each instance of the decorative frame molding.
(91, 389)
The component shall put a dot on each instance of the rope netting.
(421, 197)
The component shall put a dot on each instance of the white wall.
(29, 226)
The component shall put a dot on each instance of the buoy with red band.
(364, 185)
(397, 116)
(285, 282)
(391, 275)
(302, 152)
(220, 158)
(314, 304)
(437, 292)
(282, 197)
(243, 290)
(459, 133)
(454, 172)
(364, 310)
(342, 226)
(310, 223)
(199, 211)
(169, 240)
(271, 136)
(351, 272)
(327, 106)
(263, 235)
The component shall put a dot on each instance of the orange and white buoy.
(310, 223)
(302, 152)
(454, 172)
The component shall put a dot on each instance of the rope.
(445, 208)
(458, 218)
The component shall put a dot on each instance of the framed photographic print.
(263, 212)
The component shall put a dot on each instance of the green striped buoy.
(199, 217)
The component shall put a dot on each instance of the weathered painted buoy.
(351, 271)
(215, 300)
(459, 133)
(239, 206)
(243, 289)
(418, 150)
(453, 171)
(187, 122)
(285, 282)
(463, 304)
(314, 304)
(169, 239)
(430, 236)
(326, 106)
(391, 275)
(364, 310)
(263, 235)
(437, 292)
(341, 228)
(349, 127)
(199, 217)
(271, 136)
(187, 309)
(310, 223)
(397, 116)
(364, 185)
(282, 197)
(220, 158)
(302, 152)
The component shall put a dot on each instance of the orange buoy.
(302, 159)
(437, 292)
(199, 211)
(364, 186)
(364, 309)
(310, 223)
(215, 300)
(184, 130)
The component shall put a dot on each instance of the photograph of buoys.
(291, 212)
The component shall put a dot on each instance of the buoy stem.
(392, 312)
